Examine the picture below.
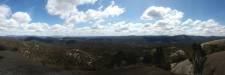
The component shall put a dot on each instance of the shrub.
(159, 59)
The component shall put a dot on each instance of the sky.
(112, 17)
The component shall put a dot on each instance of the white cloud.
(5, 23)
(188, 27)
(154, 13)
(158, 21)
(5, 11)
(57, 28)
(113, 10)
(167, 21)
(37, 27)
(67, 10)
(64, 8)
(21, 17)
(112, 29)
(208, 27)
(61, 8)
(15, 22)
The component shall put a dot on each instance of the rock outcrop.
(214, 46)
(183, 67)
(215, 64)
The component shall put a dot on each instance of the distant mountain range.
(133, 40)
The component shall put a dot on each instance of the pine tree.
(198, 58)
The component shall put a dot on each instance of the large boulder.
(214, 46)
(215, 42)
(215, 64)
(183, 67)
(177, 56)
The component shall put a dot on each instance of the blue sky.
(131, 11)
(196, 9)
